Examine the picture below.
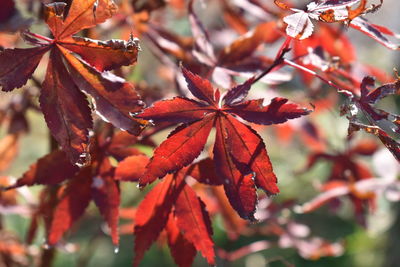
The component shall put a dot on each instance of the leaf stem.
(38, 36)
(278, 59)
(330, 83)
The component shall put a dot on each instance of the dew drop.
(353, 110)
(84, 160)
(298, 209)
(91, 133)
(116, 249)
(227, 181)
(79, 164)
(46, 246)
(133, 114)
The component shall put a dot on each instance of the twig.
(330, 83)
(279, 59)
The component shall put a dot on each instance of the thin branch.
(330, 83)
(38, 36)
(279, 59)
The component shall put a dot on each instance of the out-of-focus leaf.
(106, 195)
(49, 170)
(131, 168)
(73, 202)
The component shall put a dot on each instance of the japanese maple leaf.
(98, 181)
(347, 170)
(65, 107)
(240, 157)
(174, 206)
(299, 24)
(385, 125)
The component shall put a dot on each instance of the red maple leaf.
(383, 124)
(174, 206)
(98, 181)
(299, 24)
(65, 107)
(240, 158)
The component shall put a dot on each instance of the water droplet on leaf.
(46, 246)
(133, 114)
